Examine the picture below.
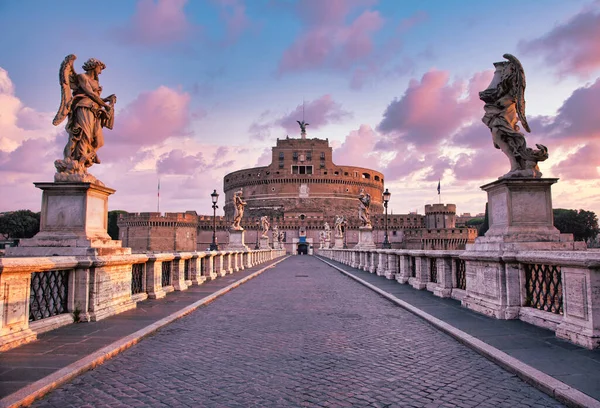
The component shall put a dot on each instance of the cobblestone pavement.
(301, 334)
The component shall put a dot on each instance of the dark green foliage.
(20, 224)
(582, 224)
(474, 222)
(486, 223)
(113, 229)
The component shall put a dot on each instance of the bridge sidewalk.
(539, 348)
(31, 370)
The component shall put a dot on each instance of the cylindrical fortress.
(303, 180)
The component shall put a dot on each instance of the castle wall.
(154, 232)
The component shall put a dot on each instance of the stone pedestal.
(74, 220)
(339, 243)
(521, 219)
(263, 243)
(236, 240)
(327, 244)
(365, 238)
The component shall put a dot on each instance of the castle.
(299, 191)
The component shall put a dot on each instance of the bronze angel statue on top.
(86, 113)
(504, 108)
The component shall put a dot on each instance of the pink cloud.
(582, 164)
(433, 109)
(572, 47)
(487, 163)
(328, 41)
(356, 147)
(177, 162)
(157, 23)
(317, 113)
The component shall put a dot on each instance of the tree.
(113, 228)
(582, 224)
(20, 224)
(486, 223)
(474, 222)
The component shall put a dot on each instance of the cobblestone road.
(299, 335)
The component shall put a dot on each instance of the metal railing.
(461, 274)
(433, 270)
(166, 273)
(543, 286)
(49, 294)
(137, 278)
(413, 266)
(186, 269)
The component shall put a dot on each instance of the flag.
(438, 187)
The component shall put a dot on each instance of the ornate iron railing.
(49, 294)
(186, 269)
(433, 270)
(413, 267)
(166, 273)
(461, 274)
(137, 278)
(543, 285)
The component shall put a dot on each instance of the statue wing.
(66, 78)
(519, 92)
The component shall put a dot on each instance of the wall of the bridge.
(556, 290)
(42, 293)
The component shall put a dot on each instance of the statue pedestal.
(339, 243)
(327, 244)
(520, 218)
(365, 238)
(264, 243)
(236, 240)
(74, 220)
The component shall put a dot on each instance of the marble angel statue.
(264, 225)
(86, 113)
(238, 205)
(504, 108)
(363, 208)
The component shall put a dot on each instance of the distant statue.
(321, 239)
(303, 126)
(327, 231)
(339, 225)
(504, 108)
(238, 204)
(363, 208)
(264, 225)
(281, 237)
(87, 114)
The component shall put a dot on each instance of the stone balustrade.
(42, 293)
(557, 290)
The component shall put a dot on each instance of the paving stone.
(323, 340)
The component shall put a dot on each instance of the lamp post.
(386, 198)
(214, 197)
(257, 228)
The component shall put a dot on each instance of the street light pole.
(214, 197)
(386, 198)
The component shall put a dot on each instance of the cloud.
(318, 113)
(583, 164)
(328, 41)
(433, 109)
(159, 22)
(177, 162)
(357, 147)
(572, 47)
(233, 14)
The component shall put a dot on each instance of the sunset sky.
(205, 87)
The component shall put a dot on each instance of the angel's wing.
(520, 89)
(66, 78)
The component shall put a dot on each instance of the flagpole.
(158, 197)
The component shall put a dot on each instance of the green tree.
(582, 224)
(20, 224)
(486, 223)
(474, 222)
(113, 228)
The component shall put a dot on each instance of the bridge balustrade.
(42, 293)
(556, 290)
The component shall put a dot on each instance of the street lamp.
(386, 198)
(257, 228)
(214, 197)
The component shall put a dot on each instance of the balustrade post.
(14, 309)
(382, 264)
(422, 273)
(392, 265)
(209, 270)
(405, 269)
(444, 277)
(154, 278)
(79, 297)
(196, 269)
(178, 273)
(248, 259)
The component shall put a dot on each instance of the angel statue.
(238, 205)
(264, 225)
(363, 208)
(339, 225)
(87, 113)
(327, 230)
(504, 107)
(303, 126)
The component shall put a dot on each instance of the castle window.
(322, 155)
(308, 156)
(322, 165)
(294, 169)
(280, 166)
(366, 176)
(356, 174)
(394, 233)
(345, 173)
(376, 178)
(347, 190)
(281, 156)
(295, 156)
(337, 173)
